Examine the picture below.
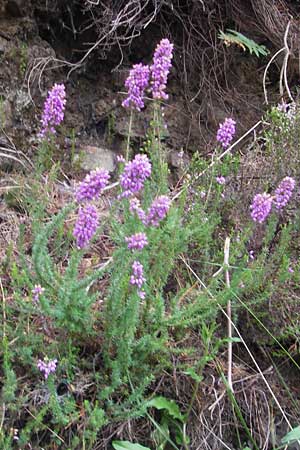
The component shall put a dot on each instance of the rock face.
(93, 157)
(17, 8)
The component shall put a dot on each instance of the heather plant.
(156, 296)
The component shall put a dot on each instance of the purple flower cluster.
(92, 185)
(86, 225)
(54, 106)
(138, 79)
(160, 68)
(284, 192)
(135, 208)
(137, 241)
(134, 175)
(226, 132)
(158, 211)
(47, 366)
(37, 291)
(261, 207)
(262, 203)
(137, 278)
(221, 180)
(136, 84)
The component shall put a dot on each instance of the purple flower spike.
(137, 241)
(86, 225)
(54, 107)
(160, 68)
(37, 291)
(47, 366)
(136, 84)
(92, 185)
(158, 211)
(137, 277)
(226, 132)
(135, 174)
(284, 192)
(261, 207)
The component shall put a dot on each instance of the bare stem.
(229, 318)
(128, 136)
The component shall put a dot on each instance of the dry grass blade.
(243, 342)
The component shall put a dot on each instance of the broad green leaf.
(169, 405)
(126, 445)
(293, 435)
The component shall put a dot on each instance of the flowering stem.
(128, 136)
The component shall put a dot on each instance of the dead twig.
(283, 81)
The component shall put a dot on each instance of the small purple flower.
(284, 192)
(290, 269)
(137, 278)
(134, 175)
(135, 208)
(226, 132)
(47, 366)
(141, 294)
(136, 84)
(221, 180)
(37, 291)
(160, 68)
(251, 254)
(137, 241)
(158, 211)
(92, 185)
(86, 225)
(54, 106)
(261, 207)
(121, 159)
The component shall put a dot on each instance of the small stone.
(92, 158)
(5, 44)
(178, 160)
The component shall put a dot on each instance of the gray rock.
(22, 102)
(179, 160)
(93, 157)
(5, 44)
